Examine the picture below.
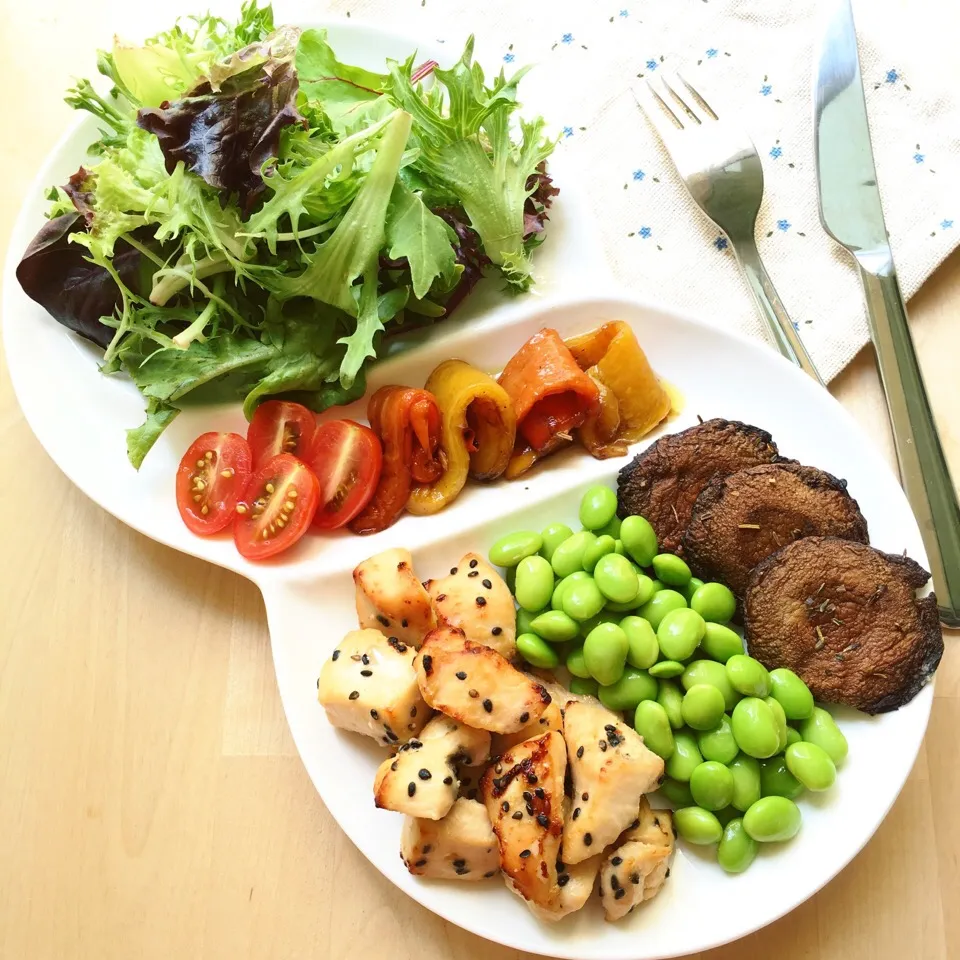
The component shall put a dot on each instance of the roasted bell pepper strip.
(479, 428)
(551, 394)
(408, 423)
(615, 358)
(600, 434)
(524, 457)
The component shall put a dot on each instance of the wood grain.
(152, 803)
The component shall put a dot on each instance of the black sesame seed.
(666, 876)
(473, 564)
(374, 714)
(461, 675)
(528, 796)
(603, 746)
(421, 863)
(498, 768)
(474, 693)
(481, 601)
(505, 806)
(403, 623)
(411, 788)
(620, 894)
(461, 871)
(563, 879)
(610, 729)
(427, 663)
(543, 721)
(576, 812)
(540, 795)
(543, 820)
(579, 752)
(616, 861)
(413, 711)
(366, 673)
(561, 867)
(457, 864)
(414, 744)
(336, 655)
(365, 660)
(487, 584)
(474, 573)
(427, 848)
(614, 883)
(496, 631)
(634, 878)
(587, 839)
(489, 874)
(383, 619)
(448, 780)
(441, 597)
(518, 815)
(529, 809)
(584, 796)
(394, 765)
(532, 778)
(524, 854)
(488, 705)
(390, 735)
(424, 774)
(524, 717)
(453, 571)
(354, 694)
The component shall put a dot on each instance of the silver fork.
(721, 168)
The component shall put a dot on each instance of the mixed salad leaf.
(257, 216)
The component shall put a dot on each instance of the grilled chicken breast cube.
(473, 683)
(550, 719)
(391, 599)
(523, 793)
(611, 770)
(637, 867)
(475, 599)
(576, 883)
(461, 846)
(421, 780)
(369, 685)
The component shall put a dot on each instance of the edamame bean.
(633, 686)
(599, 548)
(714, 602)
(643, 648)
(676, 792)
(611, 529)
(525, 620)
(585, 686)
(737, 849)
(583, 599)
(616, 578)
(711, 784)
(651, 722)
(568, 557)
(602, 617)
(746, 781)
(536, 652)
(671, 699)
(697, 825)
(690, 588)
(576, 665)
(556, 601)
(510, 549)
(772, 819)
(534, 586)
(552, 535)
(719, 744)
(598, 507)
(657, 586)
(702, 707)
(793, 736)
(811, 765)
(665, 669)
(777, 781)
(605, 653)
(820, 728)
(748, 676)
(679, 632)
(555, 626)
(720, 642)
(755, 728)
(781, 720)
(662, 602)
(618, 547)
(671, 570)
(685, 757)
(639, 540)
(791, 693)
(713, 673)
(644, 593)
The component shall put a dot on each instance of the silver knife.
(850, 212)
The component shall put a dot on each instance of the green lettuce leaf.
(141, 439)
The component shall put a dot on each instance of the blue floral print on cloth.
(751, 59)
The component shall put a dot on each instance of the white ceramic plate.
(80, 417)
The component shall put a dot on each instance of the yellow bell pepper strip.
(601, 435)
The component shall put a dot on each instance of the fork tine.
(687, 109)
(657, 111)
(698, 97)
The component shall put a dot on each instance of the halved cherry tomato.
(210, 480)
(280, 427)
(277, 507)
(346, 459)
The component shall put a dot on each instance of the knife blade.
(851, 212)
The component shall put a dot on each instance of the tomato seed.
(269, 488)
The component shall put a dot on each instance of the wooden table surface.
(152, 804)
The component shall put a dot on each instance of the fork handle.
(771, 308)
(923, 467)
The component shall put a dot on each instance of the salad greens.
(257, 216)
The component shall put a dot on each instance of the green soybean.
(677, 792)
(690, 588)
(618, 547)
(605, 653)
(525, 620)
(576, 665)
(665, 669)
(662, 602)
(811, 765)
(585, 686)
(583, 599)
(755, 728)
(713, 673)
(702, 707)
(793, 736)
(711, 784)
(772, 819)
(616, 578)
(552, 536)
(633, 686)
(651, 722)
(777, 781)
(639, 540)
(820, 728)
(719, 743)
(726, 815)
(714, 602)
(598, 507)
(600, 547)
(670, 698)
(720, 642)
(568, 557)
(781, 720)
(671, 569)
(679, 632)
(556, 601)
(657, 586)
(644, 593)
(685, 757)
(643, 648)
(737, 849)
(746, 781)
(697, 825)
(536, 652)
(791, 693)
(748, 676)
(510, 549)
(611, 529)
(534, 586)
(554, 625)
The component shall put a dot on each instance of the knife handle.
(923, 467)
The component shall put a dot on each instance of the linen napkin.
(752, 59)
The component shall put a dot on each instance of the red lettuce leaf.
(79, 188)
(538, 202)
(469, 252)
